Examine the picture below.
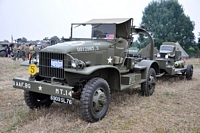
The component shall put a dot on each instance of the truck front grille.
(45, 65)
(162, 55)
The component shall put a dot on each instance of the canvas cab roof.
(122, 25)
(107, 21)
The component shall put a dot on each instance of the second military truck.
(172, 61)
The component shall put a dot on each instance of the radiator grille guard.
(53, 64)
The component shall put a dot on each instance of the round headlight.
(73, 64)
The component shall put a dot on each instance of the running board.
(123, 87)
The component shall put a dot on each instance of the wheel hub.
(102, 99)
(152, 81)
(99, 101)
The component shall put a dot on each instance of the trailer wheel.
(148, 86)
(189, 72)
(95, 99)
(36, 100)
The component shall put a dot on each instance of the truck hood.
(77, 46)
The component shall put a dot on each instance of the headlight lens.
(78, 64)
(73, 63)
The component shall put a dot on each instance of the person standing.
(26, 50)
(21, 52)
(31, 51)
(15, 52)
(8, 50)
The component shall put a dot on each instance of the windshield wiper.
(80, 25)
(96, 26)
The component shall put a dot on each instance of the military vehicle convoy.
(89, 67)
(171, 62)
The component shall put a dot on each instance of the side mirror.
(130, 41)
(143, 26)
(120, 40)
(131, 44)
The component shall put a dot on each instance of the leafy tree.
(54, 40)
(198, 44)
(6, 41)
(166, 21)
(23, 39)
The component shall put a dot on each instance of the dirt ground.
(173, 108)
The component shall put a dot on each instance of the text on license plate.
(61, 99)
(56, 63)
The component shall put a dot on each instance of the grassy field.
(173, 108)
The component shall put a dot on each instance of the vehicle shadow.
(129, 96)
(171, 78)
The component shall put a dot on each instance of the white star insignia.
(40, 88)
(109, 60)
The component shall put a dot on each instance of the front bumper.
(55, 89)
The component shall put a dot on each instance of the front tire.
(148, 86)
(189, 72)
(95, 99)
(36, 100)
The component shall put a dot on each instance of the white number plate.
(56, 63)
(61, 99)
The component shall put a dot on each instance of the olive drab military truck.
(89, 67)
(171, 60)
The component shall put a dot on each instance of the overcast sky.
(36, 19)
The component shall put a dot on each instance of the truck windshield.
(94, 31)
(167, 48)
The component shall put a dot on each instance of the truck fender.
(149, 64)
(113, 75)
(89, 70)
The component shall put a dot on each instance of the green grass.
(20, 116)
(169, 94)
(13, 126)
(2, 90)
(194, 131)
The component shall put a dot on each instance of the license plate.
(61, 99)
(56, 63)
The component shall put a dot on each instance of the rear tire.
(95, 99)
(36, 100)
(189, 72)
(148, 86)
